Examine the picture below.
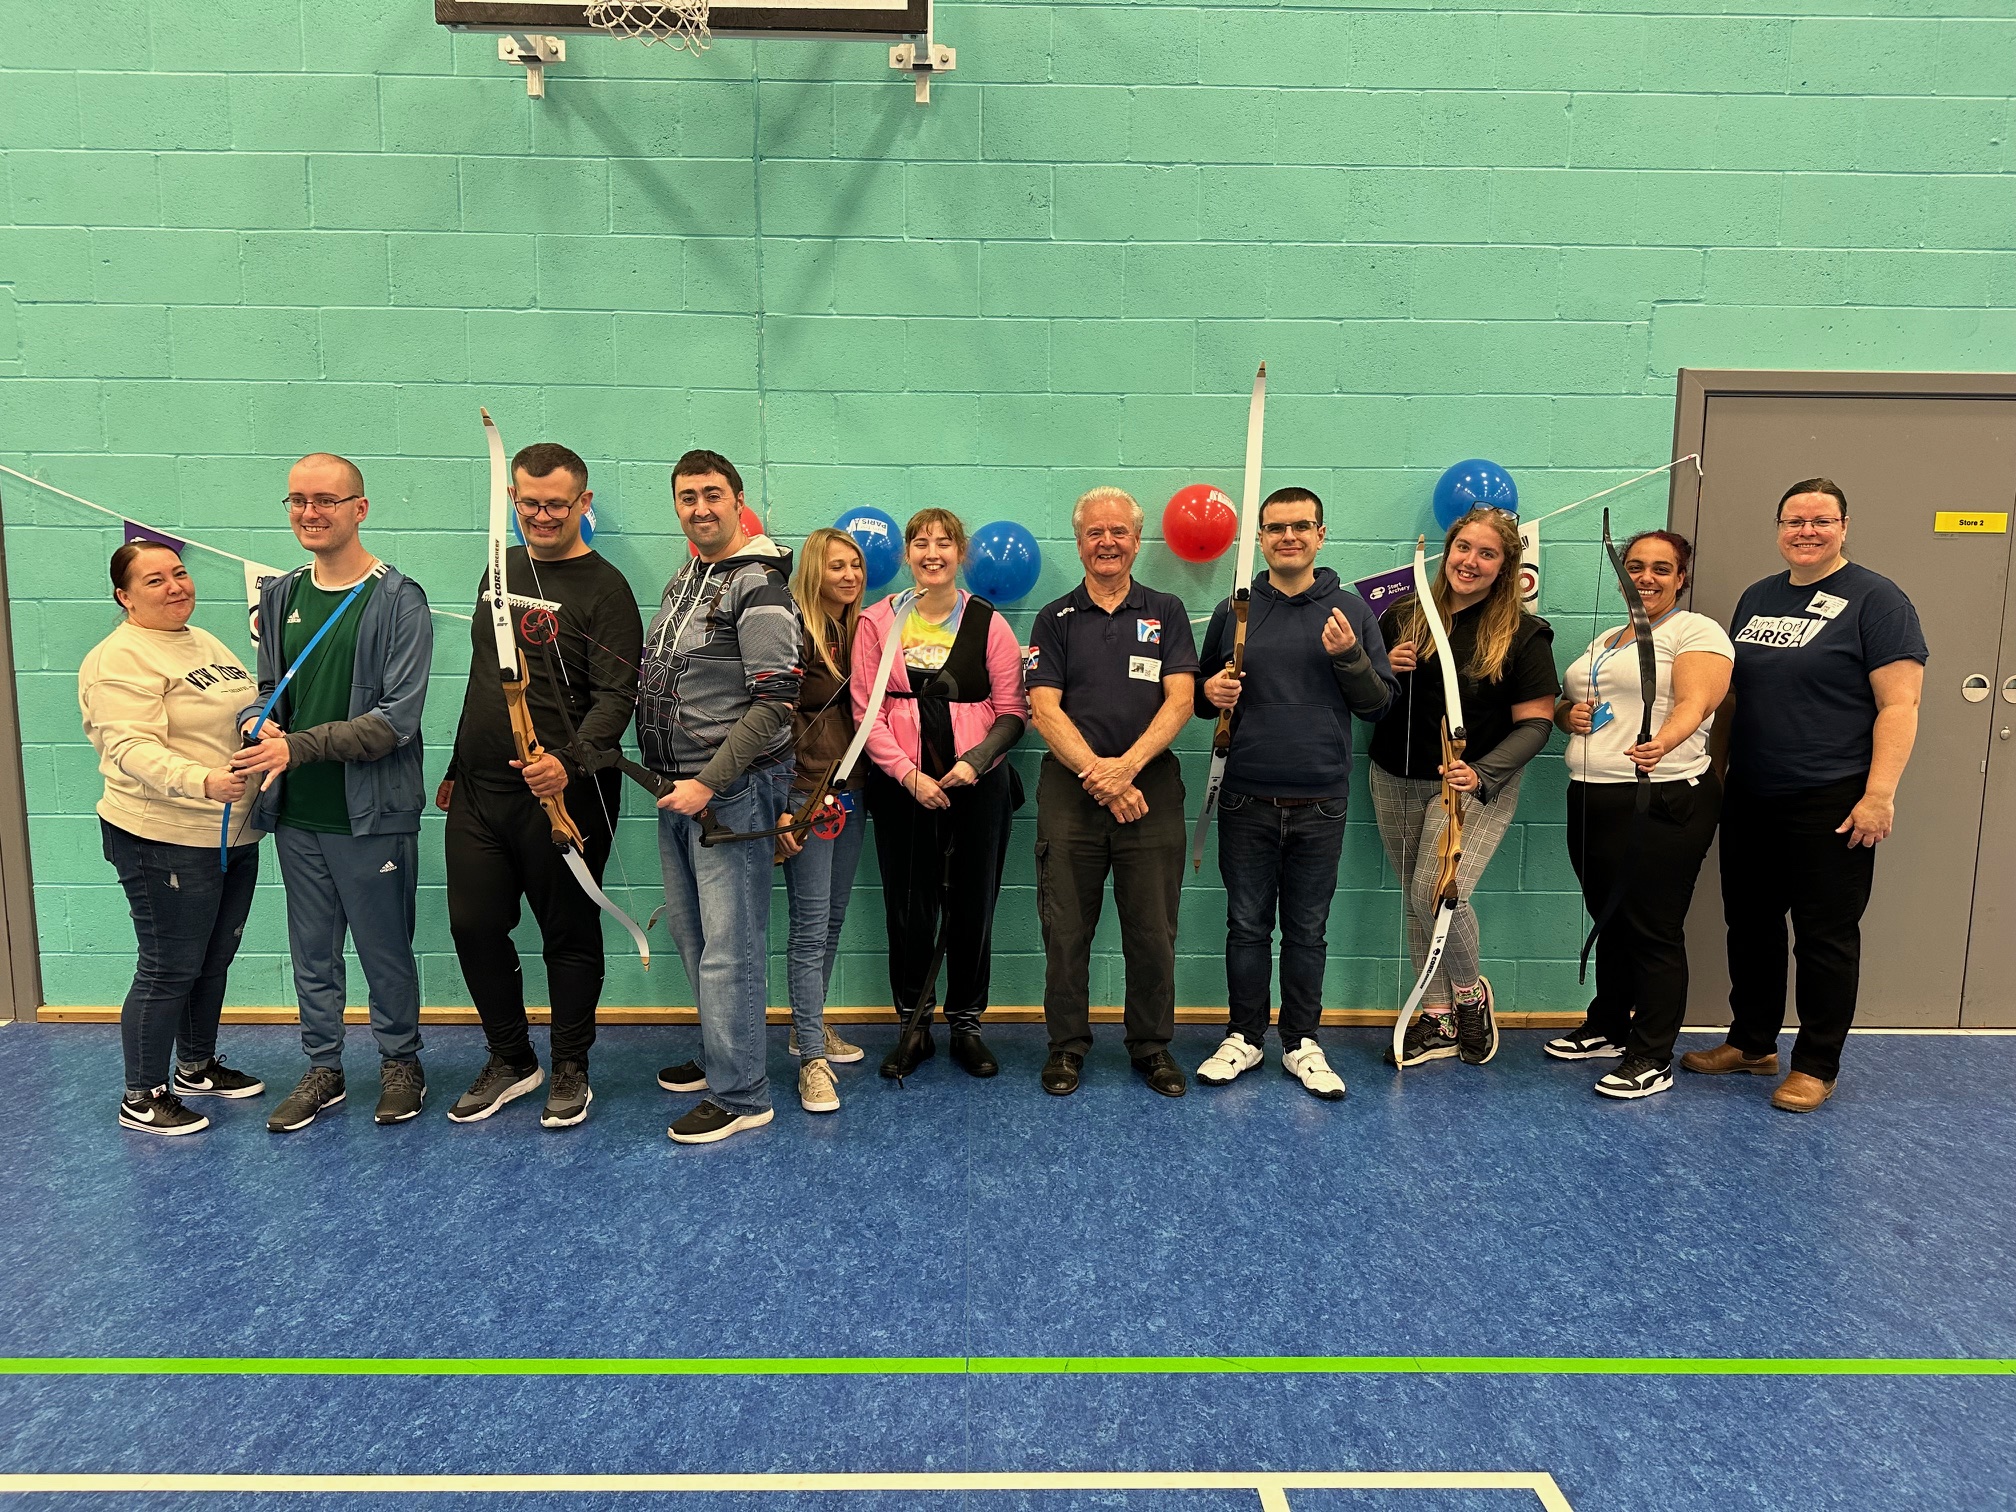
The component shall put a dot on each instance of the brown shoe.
(1725, 1058)
(1800, 1093)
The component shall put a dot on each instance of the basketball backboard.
(819, 18)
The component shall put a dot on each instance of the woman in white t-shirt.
(1638, 870)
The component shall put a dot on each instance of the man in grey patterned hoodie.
(719, 681)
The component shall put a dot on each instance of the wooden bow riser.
(566, 833)
(1449, 852)
(1221, 738)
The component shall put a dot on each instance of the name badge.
(1146, 668)
(1826, 605)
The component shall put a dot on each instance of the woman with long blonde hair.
(1505, 667)
(828, 584)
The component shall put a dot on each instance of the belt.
(1285, 802)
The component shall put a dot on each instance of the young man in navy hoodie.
(1314, 658)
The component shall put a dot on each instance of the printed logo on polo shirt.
(1785, 632)
(1146, 668)
(1148, 630)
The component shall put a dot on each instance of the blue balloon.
(880, 541)
(1466, 485)
(1003, 562)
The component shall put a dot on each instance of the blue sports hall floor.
(1461, 1290)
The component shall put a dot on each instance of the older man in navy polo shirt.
(1112, 673)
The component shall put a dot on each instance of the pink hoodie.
(893, 741)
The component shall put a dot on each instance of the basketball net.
(677, 23)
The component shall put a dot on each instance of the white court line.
(1272, 1488)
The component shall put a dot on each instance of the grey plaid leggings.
(1409, 814)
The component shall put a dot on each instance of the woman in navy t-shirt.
(1829, 665)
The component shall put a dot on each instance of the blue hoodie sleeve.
(1363, 674)
(1212, 655)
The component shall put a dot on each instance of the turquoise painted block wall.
(234, 232)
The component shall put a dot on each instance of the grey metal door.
(1900, 458)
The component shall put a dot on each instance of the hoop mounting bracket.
(924, 56)
(534, 52)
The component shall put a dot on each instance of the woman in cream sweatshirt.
(160, 700)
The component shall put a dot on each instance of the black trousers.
(500, 848)
(1780, 856)
(1077, 843)
(910, 847)
(1641, 955)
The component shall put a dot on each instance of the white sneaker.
(1306, 1064)
(1232, 1057)
(838, 1050)
(816, 1090)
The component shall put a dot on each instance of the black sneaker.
(402, 1088)
(321, 1087)
(1583, 1043)
(567, 1100)
(1639, 1076)
(1431, 1037)
(495, 1085)
(215, 1079)
(687, 1076)
(709, 1122)
(1477, 1028)
(159, 1112)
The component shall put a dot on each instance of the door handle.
(2009, 690)
(1975, 687)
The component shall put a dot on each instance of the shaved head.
(353, 477)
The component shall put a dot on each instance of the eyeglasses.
(320, 504)
(1275, 529)
(532, 509)
(1827, 522)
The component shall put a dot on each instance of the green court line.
(1645, 1365)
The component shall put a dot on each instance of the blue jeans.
(189, 915)
(1277, 858)
(818, 881)
(717, 904)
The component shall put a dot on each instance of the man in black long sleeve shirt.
(581, 637)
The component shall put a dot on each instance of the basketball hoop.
(677, 23)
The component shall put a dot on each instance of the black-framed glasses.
(532, 509)
(319, 503)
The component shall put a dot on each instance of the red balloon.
(750, 526)
(1199, 522)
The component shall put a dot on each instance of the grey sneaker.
(816, 1090)
(496, 1085)
(321, 1088)
(1431, 1037)
(402, 1088)
(839, 1051)
(567, 1101)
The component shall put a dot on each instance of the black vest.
(963, 679)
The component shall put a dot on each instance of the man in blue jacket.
(1314, 658)
(343, 747)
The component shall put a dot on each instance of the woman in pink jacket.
(940, 792)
